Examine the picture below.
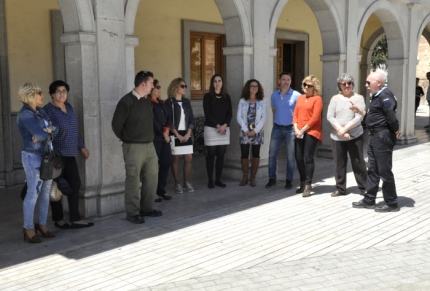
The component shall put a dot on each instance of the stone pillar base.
(407, 139)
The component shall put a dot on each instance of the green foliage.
(380, 53)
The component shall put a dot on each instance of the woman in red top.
(308, 129)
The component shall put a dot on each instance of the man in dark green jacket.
(132, 124)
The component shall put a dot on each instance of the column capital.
(397, 62)
(131, 40)
(238, 50)
(333, 58)
(78, 38)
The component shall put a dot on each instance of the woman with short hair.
(308, 129)
(182, 120)
(36, 129)
(68, 142)
(347, 134)
(251, 116)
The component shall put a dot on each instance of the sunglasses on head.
(145, 73)
(346, 83)
(183, 86)
(307, 85)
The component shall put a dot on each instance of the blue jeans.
(279, 134)
(37, 191)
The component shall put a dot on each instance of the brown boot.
(245, 171)
(254, 169)
(302, 188)
(307, 191)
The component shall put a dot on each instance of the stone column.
(397, 83)
(333, 65)
(130, 43)
(81, 75)
(238, 71)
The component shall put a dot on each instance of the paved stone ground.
(240, 238)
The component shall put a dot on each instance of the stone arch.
(423, 31)
(235, 14)
(330, 26)
(392, 26)
(78, 15)
(130, 11)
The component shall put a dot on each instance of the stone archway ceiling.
(329, 24)
(391, 24)
(235, 14)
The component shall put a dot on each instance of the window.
(206, 59)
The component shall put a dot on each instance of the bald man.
(383, 128)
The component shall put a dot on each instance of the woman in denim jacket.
(35, 128)
(182, 120)
(251, 116)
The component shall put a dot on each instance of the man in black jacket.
(132, 123)
(383, 127)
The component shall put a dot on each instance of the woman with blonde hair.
(182, 121)
(308, 129)
(36, 130)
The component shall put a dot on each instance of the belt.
(376, 129)
(286, 126)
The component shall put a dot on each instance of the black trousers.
(354, 148)
(164, 154)
(380, 155)
(244, 150)
(212, 152)
(305, 149)
(71, 174)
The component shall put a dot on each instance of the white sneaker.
(178, 188)
(188, 187)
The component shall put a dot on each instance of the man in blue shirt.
(283, 104)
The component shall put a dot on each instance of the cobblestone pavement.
(240, 238)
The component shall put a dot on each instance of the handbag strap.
(173, 113)
(47, 146)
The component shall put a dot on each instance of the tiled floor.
(240, 238)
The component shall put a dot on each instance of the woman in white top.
(347, 134)
(182, 120)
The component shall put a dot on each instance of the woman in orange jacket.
(308, 129)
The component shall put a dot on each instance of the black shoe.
(220, 184)
(288, 185)
(136, 219)
(211, 184)
(158, 199)
(165, 196)
(387, 208)
(78, 225)
(427, 126)
(361, 204)
(153, 213)
(64, 226)
(272, 182)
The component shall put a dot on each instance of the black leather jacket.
(186, 105)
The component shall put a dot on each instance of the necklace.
(218, 96)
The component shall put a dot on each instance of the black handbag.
(50, 159)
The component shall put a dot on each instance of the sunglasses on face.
(38, 93)
(307, 86)
(61, 92)
(346, 83)
(369, 82)
(158, 87)
(256, 86)
(183, 86)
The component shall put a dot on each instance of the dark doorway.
(291, 58)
